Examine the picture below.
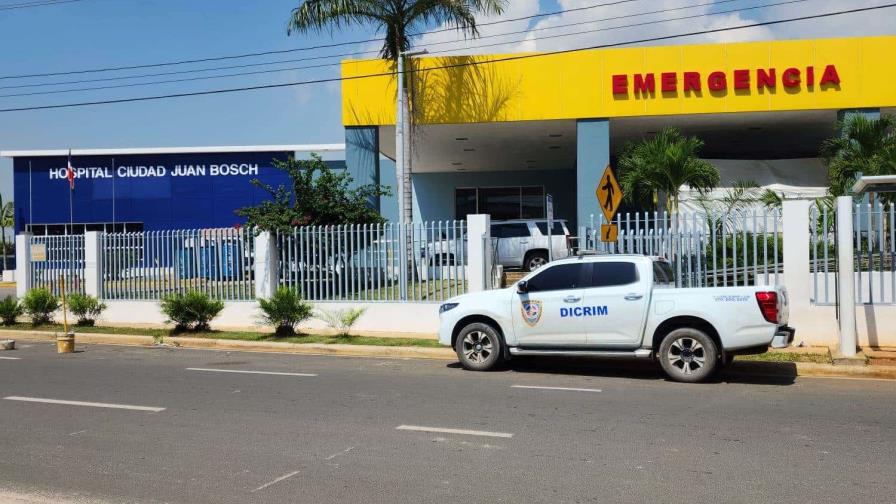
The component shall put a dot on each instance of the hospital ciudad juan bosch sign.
(740, 80)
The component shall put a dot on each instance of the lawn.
(238, 335)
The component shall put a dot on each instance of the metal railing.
(55, 257)
(720, 250)
(874, 242)
(153, 264)
(367, 263)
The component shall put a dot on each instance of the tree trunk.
(3, 236)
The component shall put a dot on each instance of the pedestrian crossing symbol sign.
(609, 232)
(609, 194)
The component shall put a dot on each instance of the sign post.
(549, 206)
(609, 197)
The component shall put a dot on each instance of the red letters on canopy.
(765, 78)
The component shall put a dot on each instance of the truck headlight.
(447, 306)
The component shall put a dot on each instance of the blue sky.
(102, 33)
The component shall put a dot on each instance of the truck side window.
(608, 274)
(556, 230)
(515, 230)
(560, 277)
(662, 273)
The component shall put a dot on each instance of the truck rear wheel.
(478, 347)
(535, 260)
(688, 355)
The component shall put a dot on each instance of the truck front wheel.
(688, 355)
(478, 347)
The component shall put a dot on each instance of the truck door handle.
(572, 299)
(633, 297)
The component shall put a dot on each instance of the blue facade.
(161, 191)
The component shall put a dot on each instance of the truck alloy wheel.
(688, 355)
(535, 261)
(478, 347)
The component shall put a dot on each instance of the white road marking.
(343, 452)
(569, 389)
(76, 433)
(83, 403)
(442, 430)
(11, 358)
(278, 480)
(210, 370)
(857, 378)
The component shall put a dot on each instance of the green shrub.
(10, 310)
(191, 311)
(40, 304)
(284, 310)
(341, 321)
(86, 308)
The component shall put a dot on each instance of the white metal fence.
(367, 262)
(874, 242)
(153, 264)
(726, 249)
(55, 257)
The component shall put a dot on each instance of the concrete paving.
(151, 425)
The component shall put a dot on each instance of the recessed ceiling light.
(469, 149)
(555, 135)
(462, 139)
(754, 128)
(461, 169)
(554, 147)
(530, 160)
(456, 164)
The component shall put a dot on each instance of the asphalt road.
(332, 429)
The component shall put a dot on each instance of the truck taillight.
(768, 305)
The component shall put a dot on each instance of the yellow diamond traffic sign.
(609, 194)
(608, 232)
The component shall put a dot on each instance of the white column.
(93, 275)
(846, 276)
(267, 265)
(795, 228)
(479, 253)
(23, 264)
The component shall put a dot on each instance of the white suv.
(524, 243)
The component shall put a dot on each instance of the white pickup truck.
(615, 306)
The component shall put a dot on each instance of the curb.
(248, 346)
(770, 368)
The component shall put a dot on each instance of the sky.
(89, 34)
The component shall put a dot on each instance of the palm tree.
(866, 146)
(663, 164)
(6, 221)
(398, 20)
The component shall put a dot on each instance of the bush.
(10, 310)
(40, 304)
(341, 321)
(86, 308)
(284, 310)
(191, 311)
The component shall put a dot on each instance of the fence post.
(795, 230)
(479, 257)
(23, 264)
(93, 274)
(267, 267)
(846, 276)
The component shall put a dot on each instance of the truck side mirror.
(522, 287)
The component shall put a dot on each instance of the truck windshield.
(662, 273)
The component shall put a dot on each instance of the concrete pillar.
(592, 156)
(23, 264)
(267, 265)
(795, 229)
(479, 252)
(846, 276)
(362, 157)
(93, 265)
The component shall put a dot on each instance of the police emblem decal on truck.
(531, 312)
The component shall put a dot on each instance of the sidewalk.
(766, 368)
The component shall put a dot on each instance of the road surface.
(115, 424)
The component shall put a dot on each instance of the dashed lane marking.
(276, 373)
(442, 430)
(152, 409)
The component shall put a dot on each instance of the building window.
(515, 202)
(80, 228)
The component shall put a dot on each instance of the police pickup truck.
(615, 306)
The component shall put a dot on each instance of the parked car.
(524, 243)
(615, 306)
